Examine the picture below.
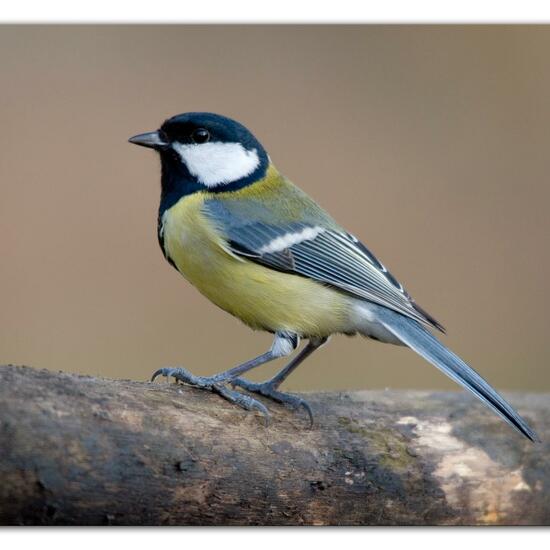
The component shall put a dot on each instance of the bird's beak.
(149, 139)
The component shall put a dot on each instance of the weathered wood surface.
(91, 451)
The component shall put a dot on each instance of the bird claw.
(214, 385)
(245, 401)
(268, 389)
(183, 375)
(164, 371)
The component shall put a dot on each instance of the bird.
(261, 249)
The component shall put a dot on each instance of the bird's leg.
(283, 344)
(269, 388)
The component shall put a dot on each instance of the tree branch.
(92, 451)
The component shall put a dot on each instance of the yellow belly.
(262, 298)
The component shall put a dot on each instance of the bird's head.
(206, 151)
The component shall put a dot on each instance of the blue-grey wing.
(313, 247)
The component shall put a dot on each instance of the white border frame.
(276, 11)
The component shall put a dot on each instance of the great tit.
(261, 249)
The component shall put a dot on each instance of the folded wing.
(313, 247)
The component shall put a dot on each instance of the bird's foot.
(214, 384)
(183, 375)
(269, 389)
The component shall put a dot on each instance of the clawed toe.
(268, 390)
(178, 373)
(215, 385)
(164, 371)
(293, 402)
(183, 375)
(244, 401)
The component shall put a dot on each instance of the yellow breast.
(262, 298)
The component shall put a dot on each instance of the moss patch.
(391, 446)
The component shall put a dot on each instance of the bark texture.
(90, 451)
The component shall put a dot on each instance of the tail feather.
(414, 335)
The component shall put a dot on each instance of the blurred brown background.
(429, 143)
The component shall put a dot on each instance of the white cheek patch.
(285, 241)
(217, 163)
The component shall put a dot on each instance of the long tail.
(414, 335)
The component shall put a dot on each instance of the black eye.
(200, 135)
